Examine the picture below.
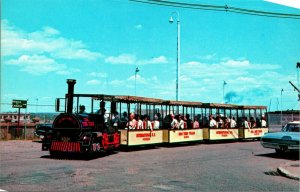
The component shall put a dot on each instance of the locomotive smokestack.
(71, 83)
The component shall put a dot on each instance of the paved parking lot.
(237, 166)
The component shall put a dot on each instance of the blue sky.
(100, 43)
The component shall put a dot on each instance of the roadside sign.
(19, 103)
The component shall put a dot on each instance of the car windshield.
(291, 128)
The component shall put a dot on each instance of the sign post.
(20, 104)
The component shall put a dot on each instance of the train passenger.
(245, 123)
(160, 120)
(204, 122)
(156, 122)
(263, 122)
(219, 122)
(167, 121)
(139, 122)
(196, 123)
(226, 123)
(232, 122)
(189, 122)
(115, 120)
(124, 117)
(132, 121)
(212, 122)
(81, 109)
(252, 122)
(180, 124)
(174, 122)
(147, 123)
(101, 109)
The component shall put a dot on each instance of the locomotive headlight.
(86, 139)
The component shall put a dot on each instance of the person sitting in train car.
(189, 122)
(124, 117)
(132, 122)
(139, 122)
(167, 121)
(180, 124)
(156, 122)
(252, 122)
(232, 122)
(204, 121)
(82, 109)
(219, 121)
(196, 123)
(245, 123)
(115, 120)
(226, 123)
(258, 122)
(263, 122)
(174, 122)
(212, 122)
(147, 123)
(160, 120)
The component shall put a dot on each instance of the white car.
(285, 140)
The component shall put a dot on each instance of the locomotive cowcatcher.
(75, 131)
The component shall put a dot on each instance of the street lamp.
(178, 52)
(224, 91)
(136, 71)
(36, 106)
(281, 108)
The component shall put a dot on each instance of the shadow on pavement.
(287, 156)
(81, 157)
(138, 148)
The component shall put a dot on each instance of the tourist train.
(94, 123)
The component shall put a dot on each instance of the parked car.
(42, 129)
(286, 140)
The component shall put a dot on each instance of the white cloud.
(93, 82)
(51, 31)
(139, 79)
(138, 27)
(121, 59)
(117, 83)
(236, 63)
(68, 71)
(101, 75)
(209, 57)
(16, 42)
(36, 64)
(132, 59)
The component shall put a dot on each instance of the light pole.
(25, 122)
(281, 107)
(298, 67)
(224, 91)
(36, 106)
(178, 52)
(136, 71)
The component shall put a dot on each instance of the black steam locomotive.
(80, 132)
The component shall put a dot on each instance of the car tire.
(279, 151)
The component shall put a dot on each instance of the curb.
(287, 174)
